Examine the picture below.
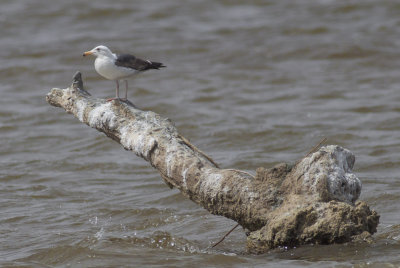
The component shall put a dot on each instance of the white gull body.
(105, 66)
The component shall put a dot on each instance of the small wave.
(160, 240)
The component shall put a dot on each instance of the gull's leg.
(126, 89)
(116, 92)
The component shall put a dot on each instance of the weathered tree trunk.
(310, 202)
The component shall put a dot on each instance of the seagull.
(119, 67)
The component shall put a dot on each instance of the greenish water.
(251, 83)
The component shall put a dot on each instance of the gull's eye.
(98, 49)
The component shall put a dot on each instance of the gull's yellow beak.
(87, 53)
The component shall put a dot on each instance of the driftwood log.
(311, 202)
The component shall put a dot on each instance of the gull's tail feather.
(156, 65)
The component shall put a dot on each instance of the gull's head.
(99, 51)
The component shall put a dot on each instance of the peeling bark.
(311, 202)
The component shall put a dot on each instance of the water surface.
(252, 83)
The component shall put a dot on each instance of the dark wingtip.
(160, 65)
(157, 65)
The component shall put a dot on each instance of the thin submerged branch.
(316, 147)
(223, 238)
